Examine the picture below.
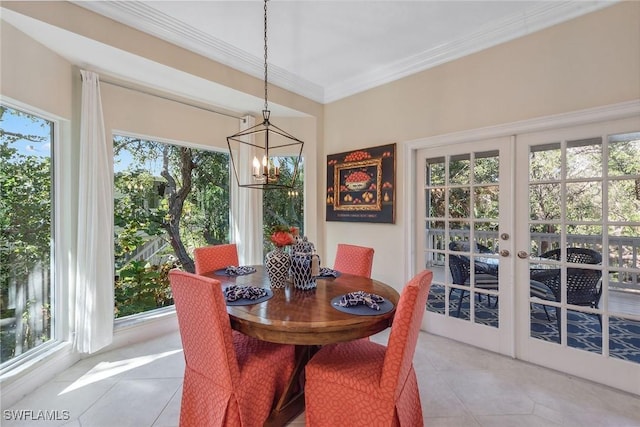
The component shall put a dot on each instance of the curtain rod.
(167, 98)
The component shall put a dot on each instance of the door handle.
(504, 253)
(523, 254)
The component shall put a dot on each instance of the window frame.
(59, 266)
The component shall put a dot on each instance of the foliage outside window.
(169, 200)
(283, 207)
(26, 195)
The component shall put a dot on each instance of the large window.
(169, 199)
(284, 207)
(26, 239)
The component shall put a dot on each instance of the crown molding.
(139, 15)
(494, 33)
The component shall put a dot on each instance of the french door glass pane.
(624, 200)
(544, 201)
(435, 171)
(486, 168)
(486, 202)
(543, 238)
(624, 152)
(486, 234)
(436, 202)
(584, 158)
(584, 201)
(459, 202)
(544, 162)
(460, 169)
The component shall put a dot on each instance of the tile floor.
(140, 386)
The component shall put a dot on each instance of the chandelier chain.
(266, 106)
(271, 145)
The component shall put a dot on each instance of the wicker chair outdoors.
(486, 277)
(583, 285)
(575, 255)
(480, 267)
(464, 246)
(460, 268)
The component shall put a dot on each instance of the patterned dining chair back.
(362, 383)
(211, 258)
(230, 379)
(404, 336)
(352, 259)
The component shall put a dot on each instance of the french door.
(534, 240)
(464, 223)
(578, 237)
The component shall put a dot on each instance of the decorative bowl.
(357, 185)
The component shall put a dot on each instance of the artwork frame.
(361, 185)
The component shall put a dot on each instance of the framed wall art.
(361, 185)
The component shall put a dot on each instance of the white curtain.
(94, 265)
(248, 215)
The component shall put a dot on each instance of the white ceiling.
(327, 50)
(324, 50)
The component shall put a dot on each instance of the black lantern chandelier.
(275, 154)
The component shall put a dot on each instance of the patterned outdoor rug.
(583, 330)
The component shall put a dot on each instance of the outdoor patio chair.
(461, 275)
(584, 287)
(480, 267)
(575, 255)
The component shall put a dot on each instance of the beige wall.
(590, 61)
(142, 114)
(33, 75)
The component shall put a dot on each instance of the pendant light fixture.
(275, 154)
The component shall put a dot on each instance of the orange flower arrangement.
(282, 235)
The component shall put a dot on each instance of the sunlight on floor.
(104, 370)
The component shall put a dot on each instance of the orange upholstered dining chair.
(230, 379)
(212, 258)
(354, 259)
(362, 383)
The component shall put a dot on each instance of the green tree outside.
(26, 234)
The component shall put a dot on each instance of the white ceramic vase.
(278, 263)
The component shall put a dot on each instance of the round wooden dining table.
(307, 319)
